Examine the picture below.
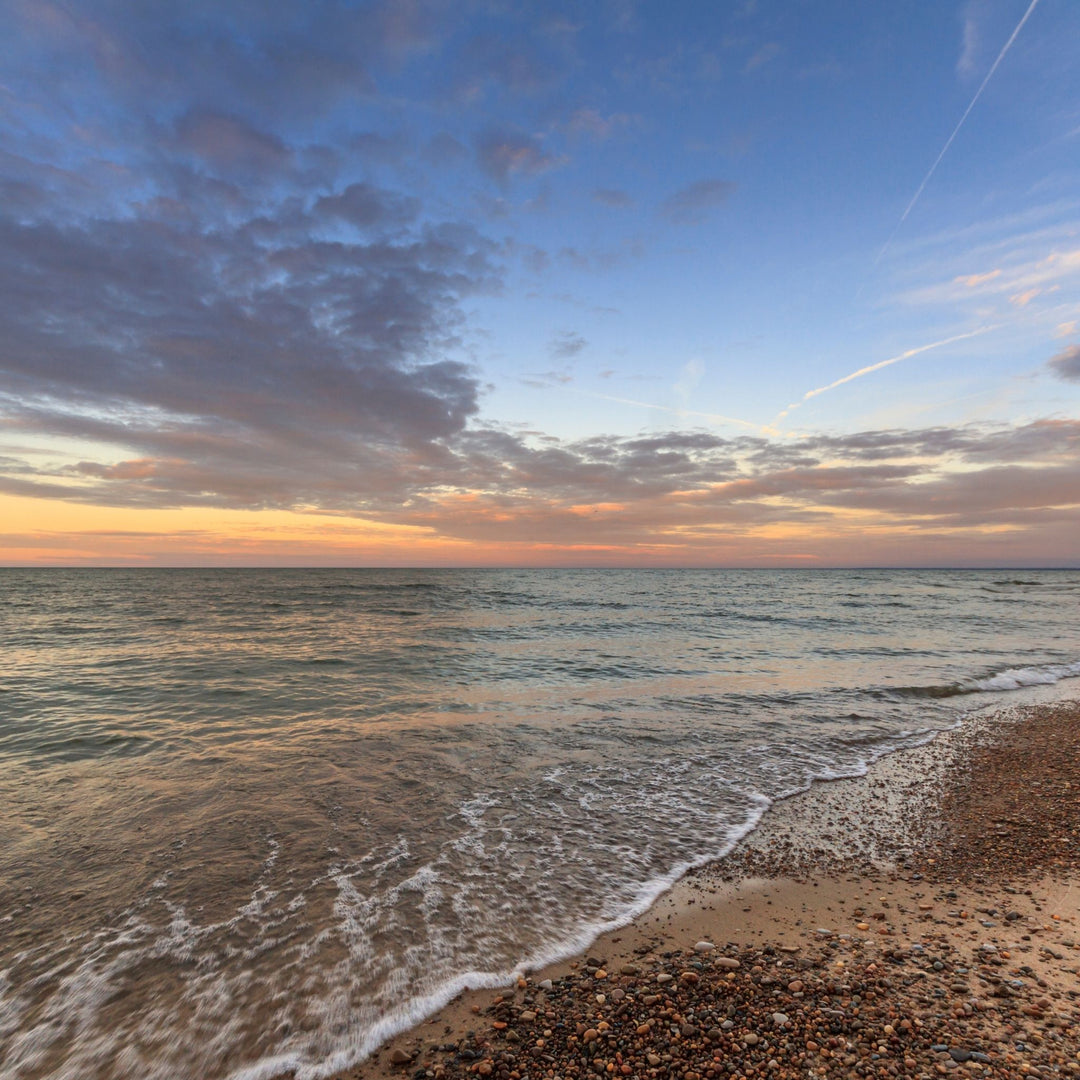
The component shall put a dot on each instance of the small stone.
(779, 1019)
(689, 976)
(528, 1016)
(399, 1057)
(664, 977)
(795, 986)
(727, 1025)
(653, 1059)
(590, 1036)
(726, 962)
(751, 1039)
(544, 984)
(704, 946)
(630, 969)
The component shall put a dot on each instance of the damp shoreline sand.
(926, 914)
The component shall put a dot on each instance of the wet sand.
(920, 920)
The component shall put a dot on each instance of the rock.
(664, 977)
(795, 986)
(779, 1019)
(726, 962)
(399, 1057)
(528, 1016)
(590, 1036)
(751, 1039)
(689, 976)
(653, 1059)
(630, 969)
(544, 984)
(727, 1025)
(704, 946)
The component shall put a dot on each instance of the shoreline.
(891, 832)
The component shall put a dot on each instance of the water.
(260, 820)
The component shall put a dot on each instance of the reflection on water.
(270, 816)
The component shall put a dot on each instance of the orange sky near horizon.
(48, 532)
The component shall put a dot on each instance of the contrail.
(715, 418)
(896, 359)
(906, 355)
(945, 149)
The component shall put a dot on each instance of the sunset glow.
(747, 284)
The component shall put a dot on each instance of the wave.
(999, 682)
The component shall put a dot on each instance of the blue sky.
(507, 282)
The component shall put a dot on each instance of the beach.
(915, 921)
(257, 824)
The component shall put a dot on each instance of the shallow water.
(257, 820)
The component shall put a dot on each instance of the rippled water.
(259, 820)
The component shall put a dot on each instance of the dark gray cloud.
(230, 144)
(1066, 364)
(693, 203)
(267, 61)
(365, 205)
(503, 153)
(566, 344)
(235, 362)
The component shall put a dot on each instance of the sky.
(411, 282)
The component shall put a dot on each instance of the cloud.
(764, 55)
(229, 143)
(239, 366)
(613, 197)
(566, 344)
(974, 280)
(593, 123)
(503, 154)
(692, 204)
(969, 42)
(1066, 364)
(364, 205)
(514, 63)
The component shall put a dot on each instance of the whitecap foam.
(1018, 678)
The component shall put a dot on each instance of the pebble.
(704, 947)
(727, 962)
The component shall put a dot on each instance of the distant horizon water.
(259, 819)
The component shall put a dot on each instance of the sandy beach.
(912, 922)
